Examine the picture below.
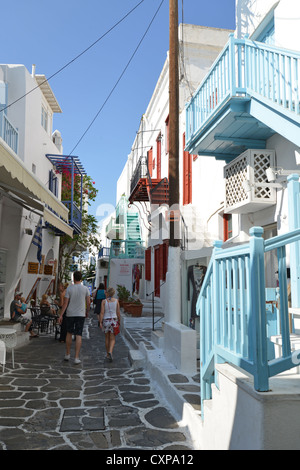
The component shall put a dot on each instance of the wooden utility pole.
(174, 125)
(173, 307)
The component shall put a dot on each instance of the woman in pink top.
(109, 319)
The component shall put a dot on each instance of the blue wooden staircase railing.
(232, 310)
(132, 246)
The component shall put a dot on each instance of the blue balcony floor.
(230, 131)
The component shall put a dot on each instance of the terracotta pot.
(135, 309)
(126, 304)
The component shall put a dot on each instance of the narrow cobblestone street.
(47, 403)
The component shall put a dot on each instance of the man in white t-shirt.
(77, 301)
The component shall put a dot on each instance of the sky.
(104, 92)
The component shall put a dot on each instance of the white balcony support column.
(294, 223)
(180, 345)
(173, 313)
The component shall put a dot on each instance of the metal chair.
(52, 318)
(39, 322)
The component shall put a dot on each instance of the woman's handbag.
(116, 330)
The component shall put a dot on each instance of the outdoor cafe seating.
(43, 323)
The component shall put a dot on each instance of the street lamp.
(247, 185)
(273, 173)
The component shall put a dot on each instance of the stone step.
(147, 306)
(157, 337)
(10, 324)
(294, 340)
(136, 358)
(23, 338)
(295, 346)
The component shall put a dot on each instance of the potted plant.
(123, 294)
(135, 307)
(127, 303)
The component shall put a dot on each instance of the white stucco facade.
(199, 47)
(18, 221)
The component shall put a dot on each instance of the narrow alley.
(50, 404)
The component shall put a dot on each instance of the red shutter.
(148, 264)
(158, 157)
(190, 177)
(160, 265)
(161, 262)
(150, 161)
(227, 226)
(165, 258)
(187, 176)
(157, 271)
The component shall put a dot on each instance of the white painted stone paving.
(47, 403)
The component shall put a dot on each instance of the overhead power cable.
(77, 57)
(119, 79)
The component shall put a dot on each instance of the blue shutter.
(51, 180)
(53, 183)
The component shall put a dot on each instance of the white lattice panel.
(250, 166)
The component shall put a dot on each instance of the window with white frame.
(44, 118)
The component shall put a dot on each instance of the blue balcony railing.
(104, 252)
(9, 133)
(72, 166)
(121, 210)
(232, 309)
(246, 69)
(75, 215)
(127, 249)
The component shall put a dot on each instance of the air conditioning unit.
(246, 184)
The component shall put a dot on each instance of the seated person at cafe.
(17, 314)
(46, 307)
(24, 306)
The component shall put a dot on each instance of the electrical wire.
(119, 79)
(75, 58)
